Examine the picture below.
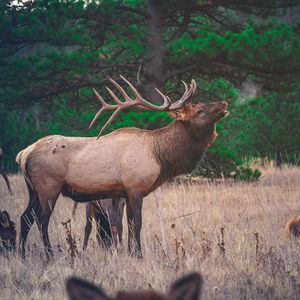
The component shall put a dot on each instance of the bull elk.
(128, 162)
(186, 288)
(108, 215)
(3, 172)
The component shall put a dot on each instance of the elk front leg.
(90, 214)
(104, 233)
(134, 221)
(119, 204)
(87, 232)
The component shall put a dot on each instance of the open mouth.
(223, 114)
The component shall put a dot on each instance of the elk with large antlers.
(128, 162)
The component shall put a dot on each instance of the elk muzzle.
(219, 110)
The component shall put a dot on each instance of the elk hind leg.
(47, 202)
(27, 218)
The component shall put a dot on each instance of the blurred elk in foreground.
(292, 226)
(3, 172)
(128, 162)
(108, 216)
(186, 288)
(7, 232)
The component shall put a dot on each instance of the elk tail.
(19, 157)
(21, 160)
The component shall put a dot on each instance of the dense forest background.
(53, 52)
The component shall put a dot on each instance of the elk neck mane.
(179, 147)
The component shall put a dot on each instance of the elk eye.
(200, 111)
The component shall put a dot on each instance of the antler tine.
(109, 121)
(167, 100)
(137, 95)
(144, 103)
(104, 107)
(99, 97)
(194, 86)
(114, 96)
(121, 90)
(188, 92)
(95, 117)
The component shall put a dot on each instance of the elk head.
(186, 288)
(7, 232)
(200, 114)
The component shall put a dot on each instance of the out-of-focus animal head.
(186, 288)
(7, 232)
(292, 227)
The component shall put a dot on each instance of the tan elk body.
(128, 162)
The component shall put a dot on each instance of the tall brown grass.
(232, 233)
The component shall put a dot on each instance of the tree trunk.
(36, 113)
(154, 65)
(278, 159)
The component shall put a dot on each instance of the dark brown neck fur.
(179, 147)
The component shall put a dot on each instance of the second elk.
(108, 216)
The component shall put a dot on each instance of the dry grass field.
(232, 233)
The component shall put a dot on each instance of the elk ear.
(180, 115)
(187, 288)
(78, 289)
(4, 219)
(173, 114)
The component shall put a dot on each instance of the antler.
(189, 92)
(139, 101)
